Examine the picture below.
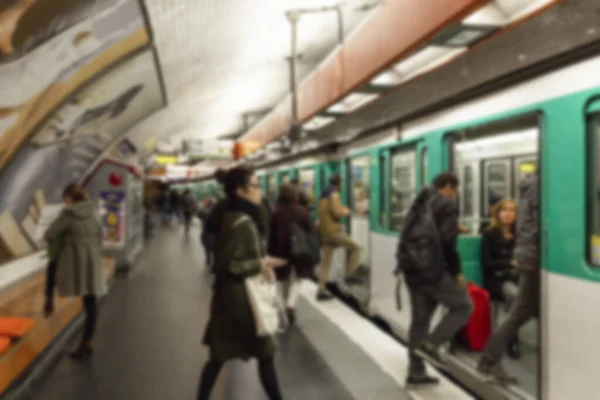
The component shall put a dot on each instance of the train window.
(594, 190)
(467, 207)
(307, 182)
(361, 185)
(497, 179)
(285, 178)
(403, 185)
(490, 161)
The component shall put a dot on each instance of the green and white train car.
(550, 123)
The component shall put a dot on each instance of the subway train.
(549, 124)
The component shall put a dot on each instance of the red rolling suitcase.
(478, 330)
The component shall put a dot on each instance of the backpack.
(304, 247)
(420, 255)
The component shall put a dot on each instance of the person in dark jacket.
(215, 218)
(526, 305)
(188, 208)
(231, 330)
(75, 238)
(211, 223)
(437, 280)
(288, 211)
(500, 278)
(175, 204)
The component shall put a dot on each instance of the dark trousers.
(424, 301)
(523, 308)
(90, 307)
(266, 369)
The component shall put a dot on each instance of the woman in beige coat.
(77, 234)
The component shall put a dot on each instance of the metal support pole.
(293, 18)
(340, 19)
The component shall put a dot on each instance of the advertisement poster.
(112, 215)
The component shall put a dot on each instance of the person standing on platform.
(302, 197)
(211, 223)
(231, 332)
(287, 212)
(76, 241)
(188, 208)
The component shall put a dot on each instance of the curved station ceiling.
(81, 80)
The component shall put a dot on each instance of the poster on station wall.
(112, 217)
(50, 48)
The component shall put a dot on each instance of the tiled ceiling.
(221, 59)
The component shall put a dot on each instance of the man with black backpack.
(430, 263)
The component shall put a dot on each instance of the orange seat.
(14, 327)
(4, 345)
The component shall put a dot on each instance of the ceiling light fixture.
(352, 102)
(318, 122)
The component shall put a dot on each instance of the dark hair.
(238, 177)
(444, 179)
(288, 193)
(335, 180)
(75, 192)
(295, 181)
(221, 175)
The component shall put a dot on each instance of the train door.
(490, 161)
(358, 190)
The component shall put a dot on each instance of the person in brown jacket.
(289, 210)
(331, 211)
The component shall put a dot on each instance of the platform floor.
(148, 343)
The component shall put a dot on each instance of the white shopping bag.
(263, 296)
(264, 301)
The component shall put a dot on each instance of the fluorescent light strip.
(387, 78)
(352, 102)
(498, 140)
(318, 122)
(503, 12)
(426, 60)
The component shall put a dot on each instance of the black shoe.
(83, 352)
(291, 315)
(430, 353)
(514, 350)
(494, 373)
(415, 381)
(322, 296)
(353, 280)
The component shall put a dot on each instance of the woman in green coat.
(231, 331)
(75, 238)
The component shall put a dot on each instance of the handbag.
(304, 247)
(264, 302)
(263, 297)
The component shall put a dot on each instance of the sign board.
(112, 217)
(210, 150)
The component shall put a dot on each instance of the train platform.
(149, 343)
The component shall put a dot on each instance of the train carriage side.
(546, 123)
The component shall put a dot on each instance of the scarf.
(238, 204)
